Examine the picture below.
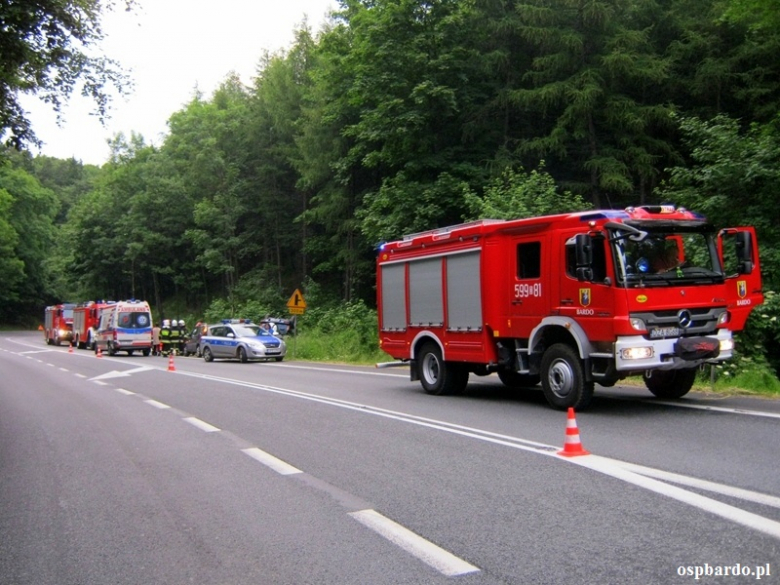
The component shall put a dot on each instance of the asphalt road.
(121, 471)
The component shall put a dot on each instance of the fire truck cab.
(568, 300)
(58, 323)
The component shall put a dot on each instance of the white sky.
(172, 47)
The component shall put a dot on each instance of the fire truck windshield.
(665, 257)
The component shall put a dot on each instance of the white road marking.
(724, 409)
(121, 374)
(202, 425)
(154, 403)
(702, 484)
(737, 515)
(434, 556)
(279, 466)
(125, 392)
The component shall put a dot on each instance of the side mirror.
(744, 248)
(583, 254)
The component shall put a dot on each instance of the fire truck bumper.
(636, 353)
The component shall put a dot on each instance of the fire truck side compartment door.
(738, 248)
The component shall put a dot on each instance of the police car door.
(220, 343)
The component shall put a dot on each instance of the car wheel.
(278, 359)
(207, 356)
(243, 358)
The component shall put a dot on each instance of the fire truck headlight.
(636, 353)
(723, 318)
(726, 344)
(638, 324)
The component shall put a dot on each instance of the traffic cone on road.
(70, 347)
(99, 353)
(171, 367)
(572, 447)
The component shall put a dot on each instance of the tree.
(596, 86)
(517, 194)
(45, 50)
(733, 180)
(27, 236)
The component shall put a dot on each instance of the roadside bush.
(346, 333)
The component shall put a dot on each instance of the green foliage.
(762, 331)
(44, 50)
(402, 206)
(759, 14)
(733, 181)
(517, 194)
(345, 333)
(27, 235)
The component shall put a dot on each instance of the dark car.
(192, 343)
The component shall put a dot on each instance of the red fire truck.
(86, 317)
(569, 300)
(58, 323)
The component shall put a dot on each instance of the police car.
(242, 340)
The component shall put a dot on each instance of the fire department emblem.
(584, 297)
(742, 288)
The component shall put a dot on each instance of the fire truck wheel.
(512, 379)
(207, 355)
(670, 384)
(563, 380)
(437, 376)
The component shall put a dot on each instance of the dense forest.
(404, 115)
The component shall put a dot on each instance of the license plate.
(659, 332)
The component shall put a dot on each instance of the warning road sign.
(296, 304)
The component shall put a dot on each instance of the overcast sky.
(172, 47)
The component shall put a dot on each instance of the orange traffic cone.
(70, 347)
(572, 447)
(171, 367)
(99, 353)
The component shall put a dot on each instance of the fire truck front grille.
(680, 322)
